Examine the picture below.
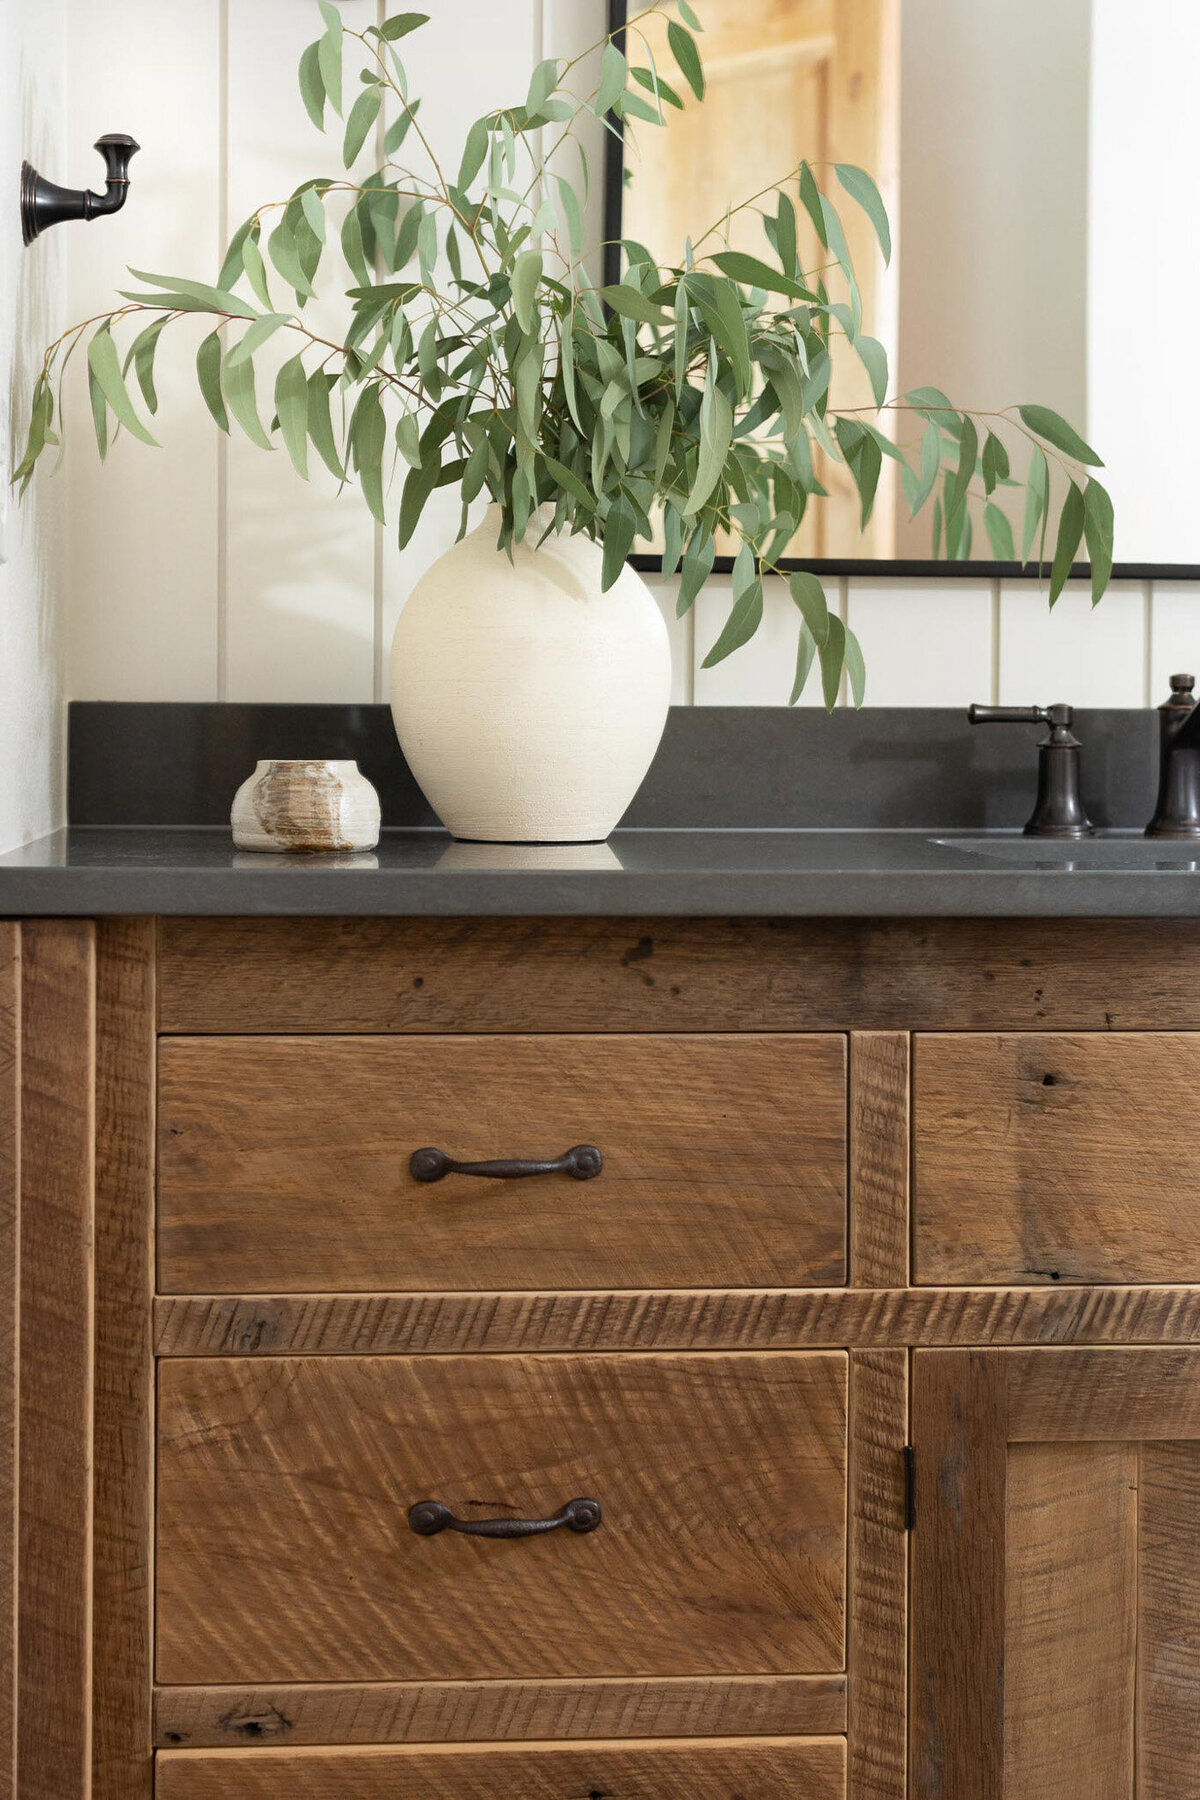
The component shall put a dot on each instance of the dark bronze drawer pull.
(429, 1517)
(583, 1161)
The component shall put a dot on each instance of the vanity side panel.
(54, 1627)
(122, 1752)
(10, 1219)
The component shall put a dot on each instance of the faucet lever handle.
(1007, 715)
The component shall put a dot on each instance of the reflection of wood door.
(786, 80)
(1056, 1575)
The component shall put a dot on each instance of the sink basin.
(1104, 851)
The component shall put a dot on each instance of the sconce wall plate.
(44, 203)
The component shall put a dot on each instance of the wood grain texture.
(10, 1224)
(879, 1177)
(740, 1319)
(512, 975)
(722, 1549)
(877, 1607)
(959, 1433)
(54, 1750)
(482, 1711)
(123, 1625)
(1113, 1394)
(1168, 1671)
(284, 1162)
(1071, 1603)
(721, 1769)
(1056, 1158)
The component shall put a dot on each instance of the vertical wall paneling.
(300, 560)
(1174, 635)
(925, 643)
(1085, 657)
(142, 595)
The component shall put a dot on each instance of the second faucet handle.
(1058, 812)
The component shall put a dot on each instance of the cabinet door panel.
(1056, 1575)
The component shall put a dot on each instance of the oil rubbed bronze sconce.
(44, 203)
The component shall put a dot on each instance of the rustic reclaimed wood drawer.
(1056, 1157)
(285, 1550)
(766, 1769)
(284, 1163)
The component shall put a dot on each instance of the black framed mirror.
(1026, 154)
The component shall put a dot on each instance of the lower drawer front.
(762, 1769)
(285, 1552)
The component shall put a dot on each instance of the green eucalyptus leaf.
(256, 271)
(474, 151)
(697, 566)
(931, 462)
(237, 382)
(833, 660)
(874, 360)
(284, 253)
(809, 597)
(105, 365)
(542, 84)
(408, 439)
(291, 406)
(1037, 498)
(994, 461)
(688, 16)
(312, 84)
(208, 373)
(619, 526)
(811, 200)
(1054, 429)
(856, 668)
(320, 424)
(806, 655)
(612, 79)
(99, 408)
(362, 116)
(256, 335)
(999, 532)
(570, 481)
(716, 435)
(526, 276)
(860, 187)
(400, 24)
(1098, 531)
(368, 433)
(753, 272)
(329, 55)
(141, 355)
(1070, 531)
(683, 49)
(968, 443)
(214, 299)
(632, 305)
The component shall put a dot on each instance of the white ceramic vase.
(529, 704)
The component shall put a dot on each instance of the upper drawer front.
(1056, 1157)
(772, 1769)
(284, 1163)
(285, 1551)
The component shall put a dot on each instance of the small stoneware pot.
(306, 807)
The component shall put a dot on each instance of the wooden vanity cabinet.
(850, 1168)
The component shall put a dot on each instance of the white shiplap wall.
(207, 571)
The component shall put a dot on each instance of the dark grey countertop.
(96, 870)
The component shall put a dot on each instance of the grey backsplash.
(720, 767)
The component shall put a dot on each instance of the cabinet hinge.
(910, 1487)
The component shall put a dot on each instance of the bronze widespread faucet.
(1058, 812)
(1177, 814)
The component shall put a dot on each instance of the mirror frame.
(938, 568)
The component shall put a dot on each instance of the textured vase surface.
(306, 806)
(528, 703)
